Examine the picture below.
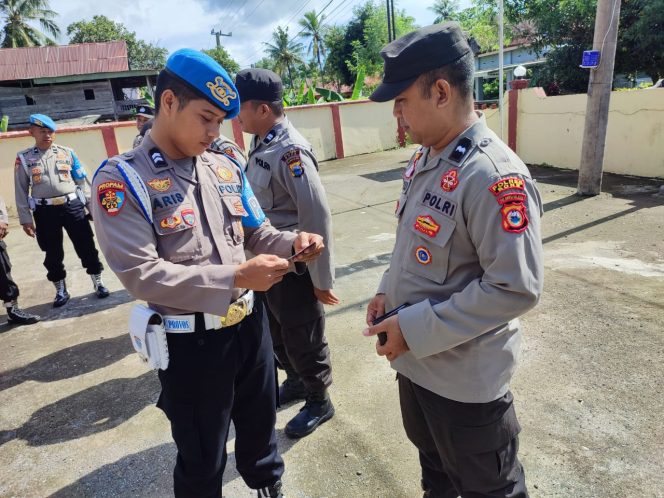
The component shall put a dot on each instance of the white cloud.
(187, 23)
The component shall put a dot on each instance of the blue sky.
(187, 23)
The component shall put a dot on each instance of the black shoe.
(20, 317)
(273, 491)
(100, 289)
(291, 390)
(61, 294)
(316, 410)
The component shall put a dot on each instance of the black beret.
(419, 51)
(259, 84)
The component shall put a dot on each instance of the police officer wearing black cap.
(467, 263)
(173, 219)
(283, 172)
(144, 114)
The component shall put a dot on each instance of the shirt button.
(485, 142)
(201, 342)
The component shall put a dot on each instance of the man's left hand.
(395, 345)
(4, 228)
(305, 239)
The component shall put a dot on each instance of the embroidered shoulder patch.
(515, 219)
(508, 183)
(230, 152)
(422, 255)
(111, 196)
(294, 162)
(427, 225)
(160, 184)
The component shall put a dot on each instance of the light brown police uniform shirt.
(283, 172)
(468, 259)
(185, 260)
(44, 174)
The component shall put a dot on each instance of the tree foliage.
(17, 16)
(285, 53)
(221, 55)
(314, 30)
(141, 54)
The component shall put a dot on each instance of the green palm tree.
(17, 32)
(313, 28)
(284, 52)
(444, 10)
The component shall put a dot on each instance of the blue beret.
(43, 121)
(206, 77)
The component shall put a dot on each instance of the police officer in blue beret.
(52, 186)
(173, 218)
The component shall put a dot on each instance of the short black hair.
(166, 81)
(460, 74)
(277, 107)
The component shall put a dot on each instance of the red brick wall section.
(336, 125)
(238, 137)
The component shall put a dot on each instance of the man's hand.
(395, 345)
(29, 229)
(375, 308)
(260, 273)
(326, 296)
(4, 229)
(305, 239)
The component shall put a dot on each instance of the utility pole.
(599, 96)
(219, 34)
(389, 21)
(394, 21)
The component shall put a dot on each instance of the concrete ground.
(77, 414)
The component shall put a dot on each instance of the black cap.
(419, 51)
(145, 110)
(259, 84)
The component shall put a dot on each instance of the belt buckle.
(237, 312)
(58, 201)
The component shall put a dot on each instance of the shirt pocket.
(64, 171)
(428, 248)
(177, 233)
(259, 179)
(234, 210)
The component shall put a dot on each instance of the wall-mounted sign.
(590, 59)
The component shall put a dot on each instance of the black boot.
(273, 491)
(100, 289)
(18, 316)
(316, 410)
(292, 389)
(61, 294)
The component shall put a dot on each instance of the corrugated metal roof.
(64, 60)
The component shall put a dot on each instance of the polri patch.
(425, 224)
(439, 203)
(515, 219)
(160, 184)
(294, 162)
(462, 148)
(508, 183)
(450, 180)
(422, 255)
(111, 196)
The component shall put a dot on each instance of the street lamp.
(519, 72)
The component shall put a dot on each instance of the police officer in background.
(8, 289)
(144, 114)
(468, 260)
(50, 181)
(283, 172)
(173, 219)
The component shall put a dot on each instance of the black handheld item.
(382, 336)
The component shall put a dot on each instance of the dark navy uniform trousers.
(8, 288)
(214, 377)
(466, 449)
(297, 325)
(49, 222)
